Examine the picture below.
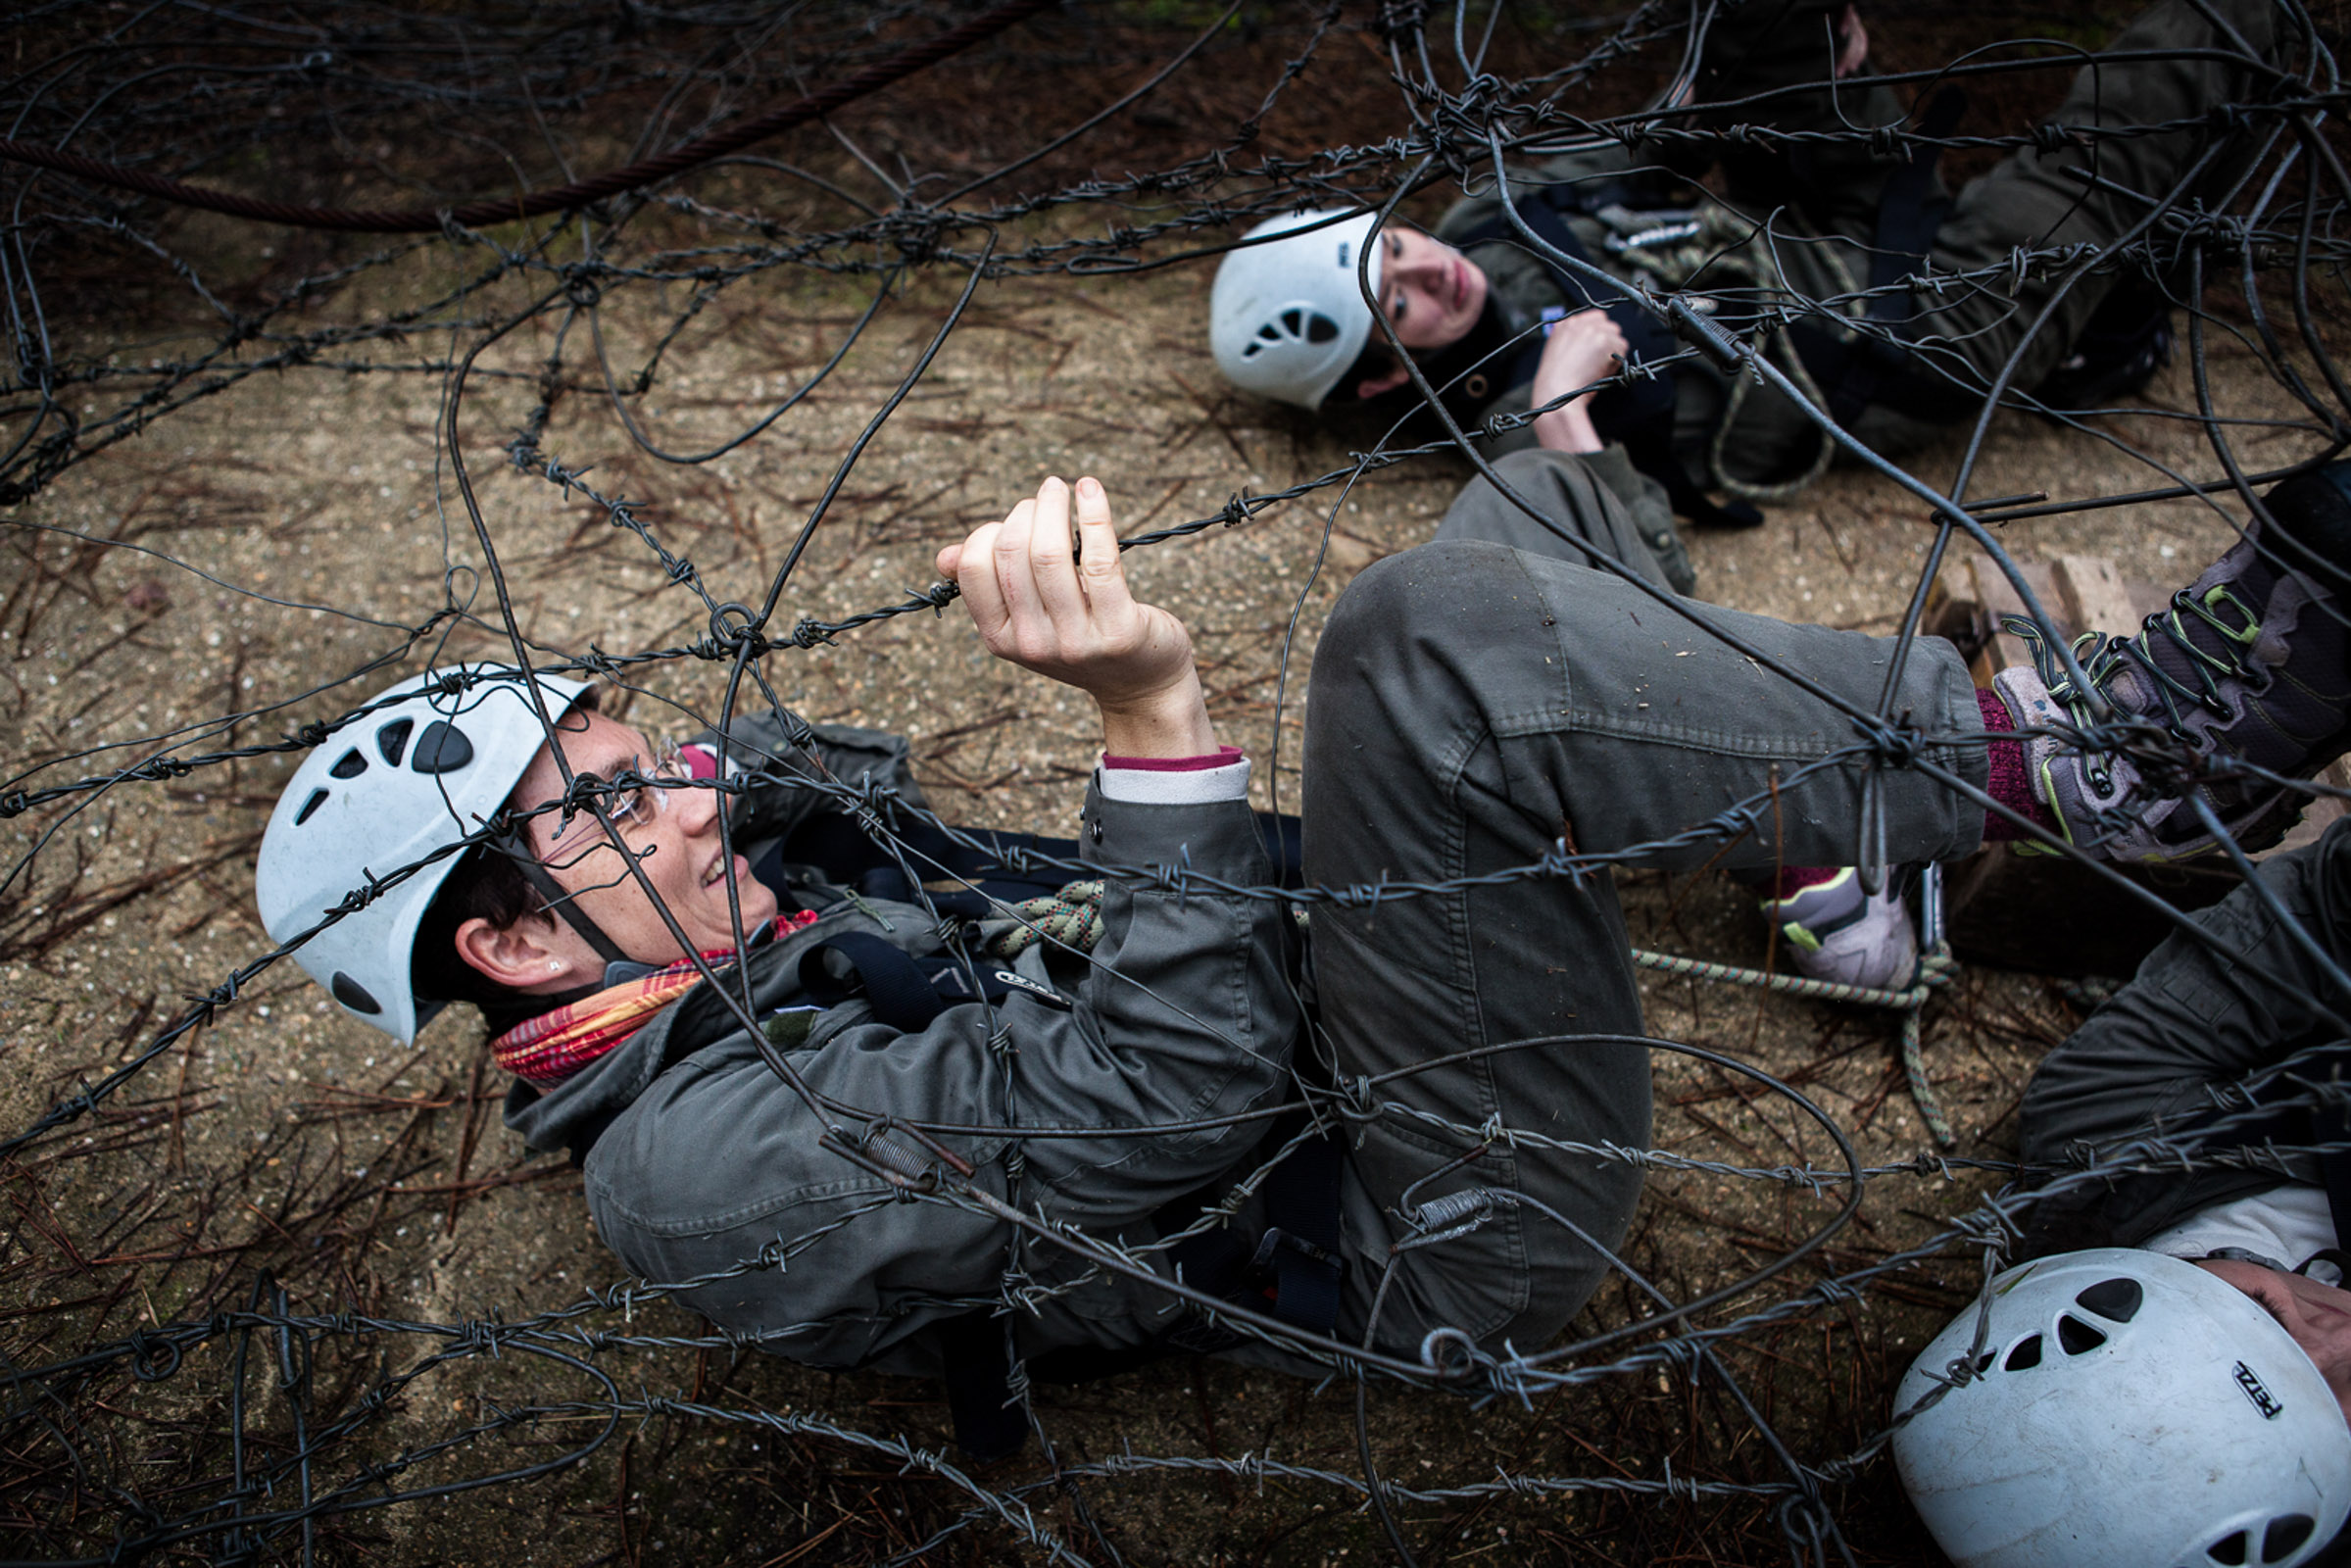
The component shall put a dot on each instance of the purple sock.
(1794, 879)
(2010, 784)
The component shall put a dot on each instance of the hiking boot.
(1836, 932)
(2249, 668)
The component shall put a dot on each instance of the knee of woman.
(1430, 585)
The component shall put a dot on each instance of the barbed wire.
(269, 1408)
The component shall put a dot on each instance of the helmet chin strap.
(619, 966)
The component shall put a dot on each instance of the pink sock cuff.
(1222, 757)
(1794, 879)
(2010, 781)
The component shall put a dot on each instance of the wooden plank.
(2320, 814)
(1952, 612)
(2095, 597)
(1997, 598)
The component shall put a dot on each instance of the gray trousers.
(1473, 705)
(2032, 200)
(1585, 513)
(2036, 198)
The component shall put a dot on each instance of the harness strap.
(1878, 367)
(1640, 417)
(908, 993)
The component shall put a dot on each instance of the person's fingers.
(949, 560)
(1052, 566)
(1023, 617)
(1098, 539)
(1857, 50)
(975, 574)
(1008, 558)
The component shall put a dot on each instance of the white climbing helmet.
(2128, 1411)
(433, 759)
(1287, 319)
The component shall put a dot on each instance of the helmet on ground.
(433, 759)
(2128, 1411)
(1287, 318)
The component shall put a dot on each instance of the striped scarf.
(549, 1049)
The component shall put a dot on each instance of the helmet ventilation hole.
(2026, 1354)
(392, 739)
(2285, 1536)
(351, 993)
(317, 800)
(2117, 1299)
(1293, 323)
(1320, 328)
(441, 749)
(2077, 1336)
(349, 766)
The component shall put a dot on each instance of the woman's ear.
(1852, 43)
(1371, 387)
(527, 955)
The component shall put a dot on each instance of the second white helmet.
(2128, 1410)
(1286, 317)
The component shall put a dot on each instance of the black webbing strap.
(1875, 365)
(1638, 416)
(564, 906)
(908, 993)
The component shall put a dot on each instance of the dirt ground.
(285, 534)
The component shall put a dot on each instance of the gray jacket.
(698, 1157)
(2190, 1026)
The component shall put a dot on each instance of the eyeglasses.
(636, 806)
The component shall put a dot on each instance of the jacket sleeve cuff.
(1216, 837)
(1183, 781)
(1614, 467)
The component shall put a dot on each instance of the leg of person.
(1475, 703)
(1834, 930)
(1471, 705)
(2193, 1019)
(1593, 503)
(2248, 670)
(2036, 200)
